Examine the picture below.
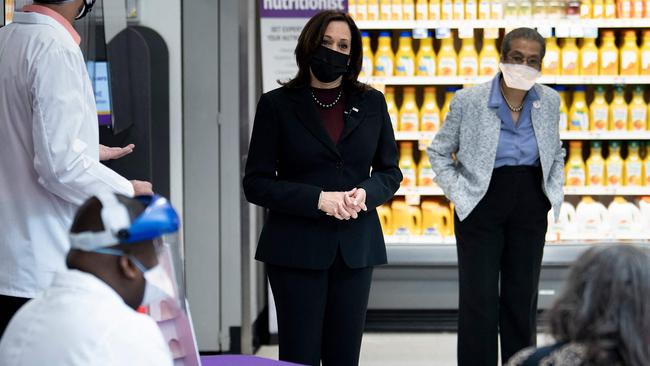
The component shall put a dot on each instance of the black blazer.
(292, 159)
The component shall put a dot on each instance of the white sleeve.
(62, 161)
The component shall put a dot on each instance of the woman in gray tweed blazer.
(498, 157)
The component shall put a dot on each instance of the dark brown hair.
(311, 38)
(605, 306)
(522, 33)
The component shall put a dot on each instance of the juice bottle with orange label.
(589, 57)
(384, 57)
(638, 8)
(484, 9)
(468, 58)
(393, 112)
(564, 110)
(638, 111)
(408, 10)
(624, 8)
(459, 10)
(385, 9)
(618, 110)
(352, 9)
(598, 9)
(599, 111)
(425, 59)
(630, 63)
(449, 95)
(435, 10)
(596, 165)
(397, 10)
(409, 115)
(425, 172)
(447, 58)
(645, 49)
(575, 165)
(570, 57)
(488, 59)
(407, 165)
(367, 62)
(362, 10)
(471, 10)
(610, 9)
(496, 9)
(614, 165)
(422, 10)
(552, 59)
(608, 55)
(446, 9)
(579, 112)
(405, 57)
(373, 9)
(633, 174)
(586, 9)
(429, 113)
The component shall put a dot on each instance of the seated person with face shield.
(88, 315)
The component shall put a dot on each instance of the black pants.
(502, 239)
(9, 305)
(321, 313)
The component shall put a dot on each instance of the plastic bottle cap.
(580, 88)
(384, 34)
(614, 144)
(453, 88)
(596, 144)
(575, 144)
(365, 34)
(405, 34)
(560, 88)
(633, 144)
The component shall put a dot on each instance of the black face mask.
(327, 64)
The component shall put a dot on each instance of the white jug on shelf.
(565, 223)
(644, 208)
(624, 216)
(591, 217)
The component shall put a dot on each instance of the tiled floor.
(402, 349)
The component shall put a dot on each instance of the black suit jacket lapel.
(354, 112)
(308, 115)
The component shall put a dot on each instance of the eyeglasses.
(533, 62)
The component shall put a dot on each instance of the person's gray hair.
(522, 33)
(606, 306)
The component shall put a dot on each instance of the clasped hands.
(343, 205)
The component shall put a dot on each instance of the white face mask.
(158, 286)
(520, 77)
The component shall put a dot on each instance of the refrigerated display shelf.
(566, 239)
(567, 135)
(573, 26)
(471, 80)
(569, 191)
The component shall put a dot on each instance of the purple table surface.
(236, 360)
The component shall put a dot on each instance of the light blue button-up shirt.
(517, 142)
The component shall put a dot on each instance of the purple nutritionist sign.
(298, 8)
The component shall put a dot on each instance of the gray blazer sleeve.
(444, 145)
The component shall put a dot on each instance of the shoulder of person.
(548, 93)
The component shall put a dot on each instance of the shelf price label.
(465, 32)
(443, 33)
(545, 31)
(562, 31)
(576, 31)
(420, 33)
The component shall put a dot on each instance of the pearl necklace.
(326, 105)
(514, 109)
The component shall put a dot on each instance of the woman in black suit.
(314, 143)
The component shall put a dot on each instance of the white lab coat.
(49, 150)
(81, 321)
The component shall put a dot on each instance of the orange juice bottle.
(638, 8)
(425, 172)
(385, 219)
(496, 9)
(484, 9)
(459, 10)
(646, 165)
(429, 113)
(575, 165)
(608, 55)
(598, 9)
(373, 9)
(488, 59)
(633, 169)
(645, 48)
(435, 11)
(564, 110)
(630, 63)
(393, 112)
(384, 56)
(385, 9)
(409, 115)
(589, 57)
(422, 10)
(397, 10)
(614, 165)
(610, 9)
(436, 219)
(638, 111)
(406, 219)
(405, 57)
(586, 9)
(426, 58)
(599, 111)
(570, 57)
(471, 10)
(449, 95)
(366, 64)
(408, 10)
(618, 110)
(407, 165)
(624, 8)
(468, 58)
(579, 113)
(362, 9)
(596, 165)
(446, 9)
(447, 59)
(553, 58)
(352, 9)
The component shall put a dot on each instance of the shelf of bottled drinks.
(419, 53)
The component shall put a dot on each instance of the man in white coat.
(49, 147)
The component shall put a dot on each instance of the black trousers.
(321, 313)
(500, 247)
(9, 305)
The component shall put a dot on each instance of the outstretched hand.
(110, 153)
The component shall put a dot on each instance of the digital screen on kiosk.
(98, 72)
